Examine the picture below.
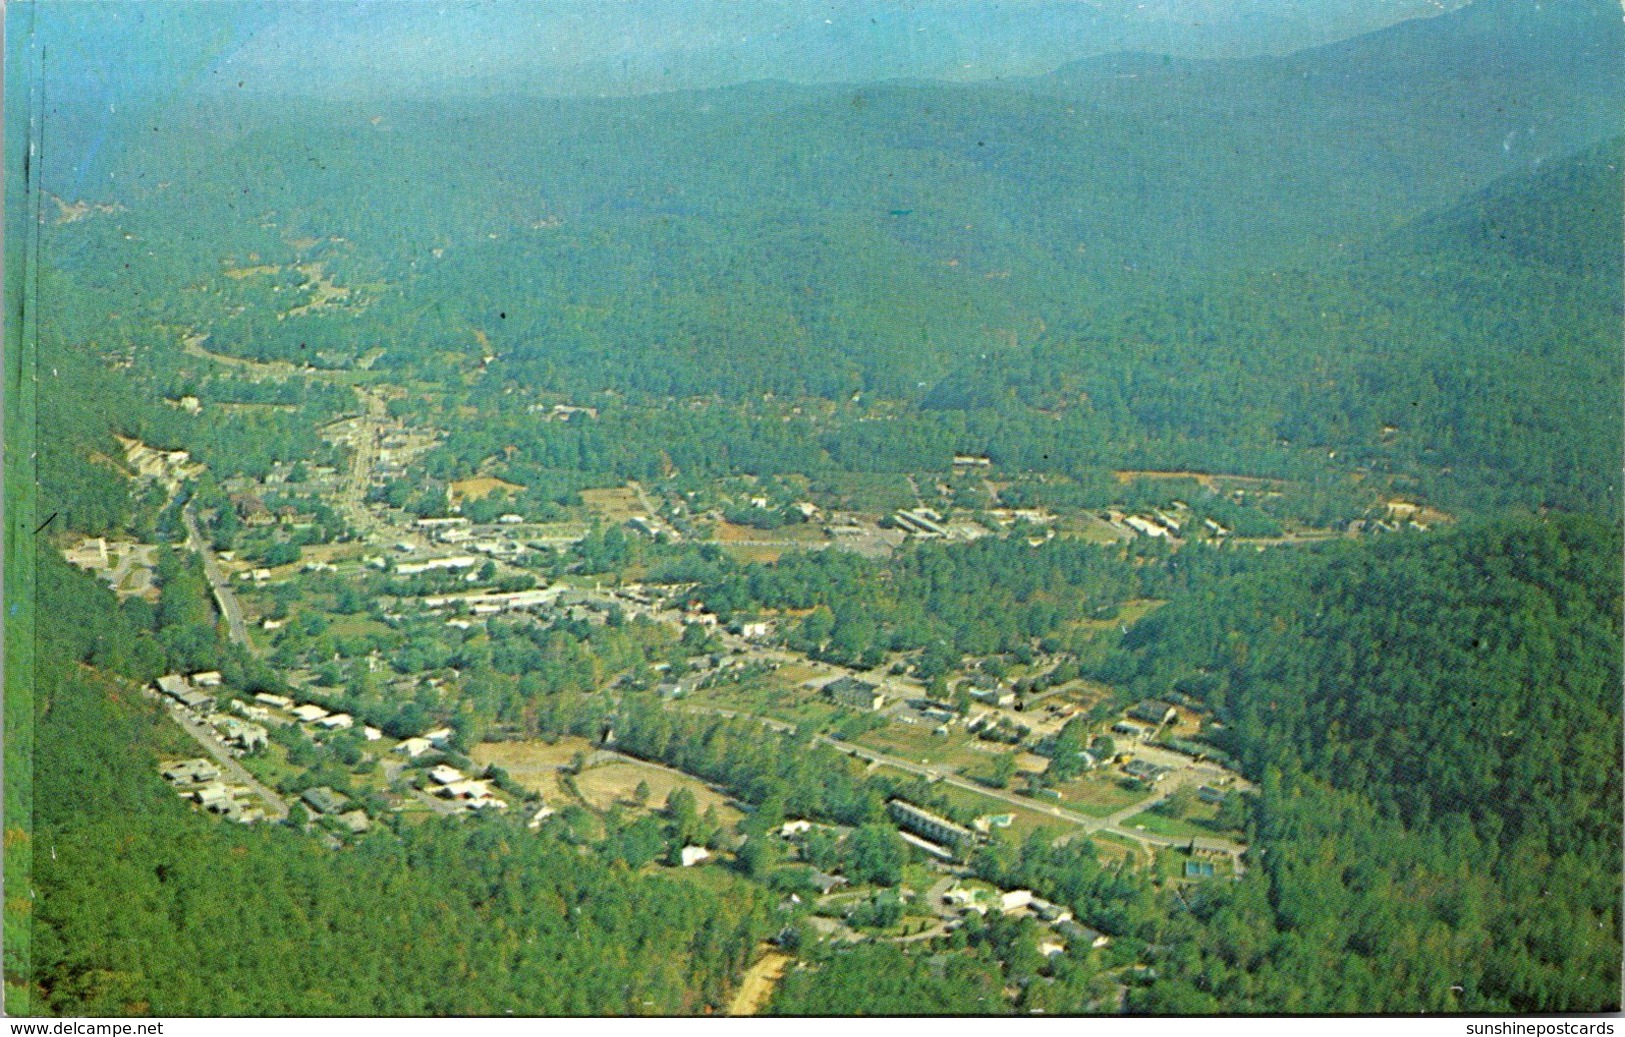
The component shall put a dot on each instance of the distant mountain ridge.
(1566, 216)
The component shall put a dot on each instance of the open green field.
(806, 533)
(271, 766)
(917, 744)
(1200, 822)
(1109, 847)
(1099, 793)
(1085, 526)
(772, 697)
(614, 506)
(760, 554)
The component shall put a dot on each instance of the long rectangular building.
(927, 825)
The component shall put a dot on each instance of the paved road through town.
(276, 807)
(1112, 825)
(224, 597)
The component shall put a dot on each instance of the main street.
(276, 807)
(225, 598)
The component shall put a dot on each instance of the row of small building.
(198, 781)
(1024, 902)
(318, 716)
(188, 691)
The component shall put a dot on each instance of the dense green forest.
(1436, 715)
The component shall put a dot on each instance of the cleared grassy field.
(1098, 794)
(1111, 848)
(533, 764)
(481, 486)
(800, 533)
(1085, 526)
(1198, 823)
(612, 505)
(611, 783)
(332, 553)
(748, 553)
(773, 697)
(916, 743)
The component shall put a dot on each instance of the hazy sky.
(128, 51)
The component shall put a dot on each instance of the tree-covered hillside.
(1437, 724)
(1474, 352)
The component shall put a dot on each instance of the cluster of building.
(1145, 720)
(240, 735)
(326, 802)
(1024, 903)
(497, 540)
(653, 526)
(853, 693)
(560, 411)
(450, 563)
(126, 566)
(317, 716)
(468, 793)
(922, 522)
(198, 782)
(152, 463)
(432, 741)
(1146, 771)
(1157, 524)
(398, 446)
(927, 524)
(489, 602)
(188, 691)
(255, 513)
(933, 833)
(925, 711)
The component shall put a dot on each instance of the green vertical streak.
(23, 86)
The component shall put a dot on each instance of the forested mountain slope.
(1135, 263)
(1475, 350)
(882, 228)
(1436, 722)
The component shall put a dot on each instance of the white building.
(414, 747)
(444, 774)
(1015, 900)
